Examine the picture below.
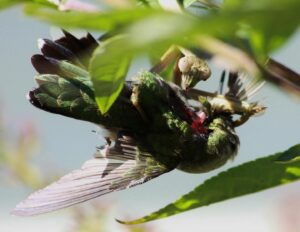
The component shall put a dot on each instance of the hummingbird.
(153, 126)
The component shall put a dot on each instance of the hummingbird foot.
(241, 120)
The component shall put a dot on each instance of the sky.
(66, 143)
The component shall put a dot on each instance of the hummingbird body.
(167, 129)
(155, 128)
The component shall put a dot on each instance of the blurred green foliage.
(16, 156)
(149, 27)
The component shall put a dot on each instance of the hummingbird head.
(193, 69)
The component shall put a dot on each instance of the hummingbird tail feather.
(70, 48)
(114, 168)
(65, 87)
(69, 97)
(240, 88)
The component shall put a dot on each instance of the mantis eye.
(184, 64)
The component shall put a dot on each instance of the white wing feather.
(113, 168)
(78, 186)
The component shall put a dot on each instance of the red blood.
(198, 119)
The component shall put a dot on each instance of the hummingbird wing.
(113, 168)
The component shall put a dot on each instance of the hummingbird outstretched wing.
(113, 168)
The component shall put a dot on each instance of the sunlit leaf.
(288, 157)
(154, 29)
(265, 31)
(9, 3)
(109, 65)
(89, 20)
(251, 177)
(241, 4)
(205, 3)
(255, 23)
(228, 56)
(187, 3)
(108, 75)
(149, 3)
(75, 5)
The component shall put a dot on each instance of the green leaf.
(207, 3)
(154, 29)
(9, 3)
(108, 74)
(288, 157)
(241, 4)
(253, 21)
(150, 3)
(264, 29)
(251, 177)
(110, 63)
(89, 20)
(186, 3)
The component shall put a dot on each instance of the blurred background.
(36, 147)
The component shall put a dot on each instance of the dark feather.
(55, 50)
(45, 65)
